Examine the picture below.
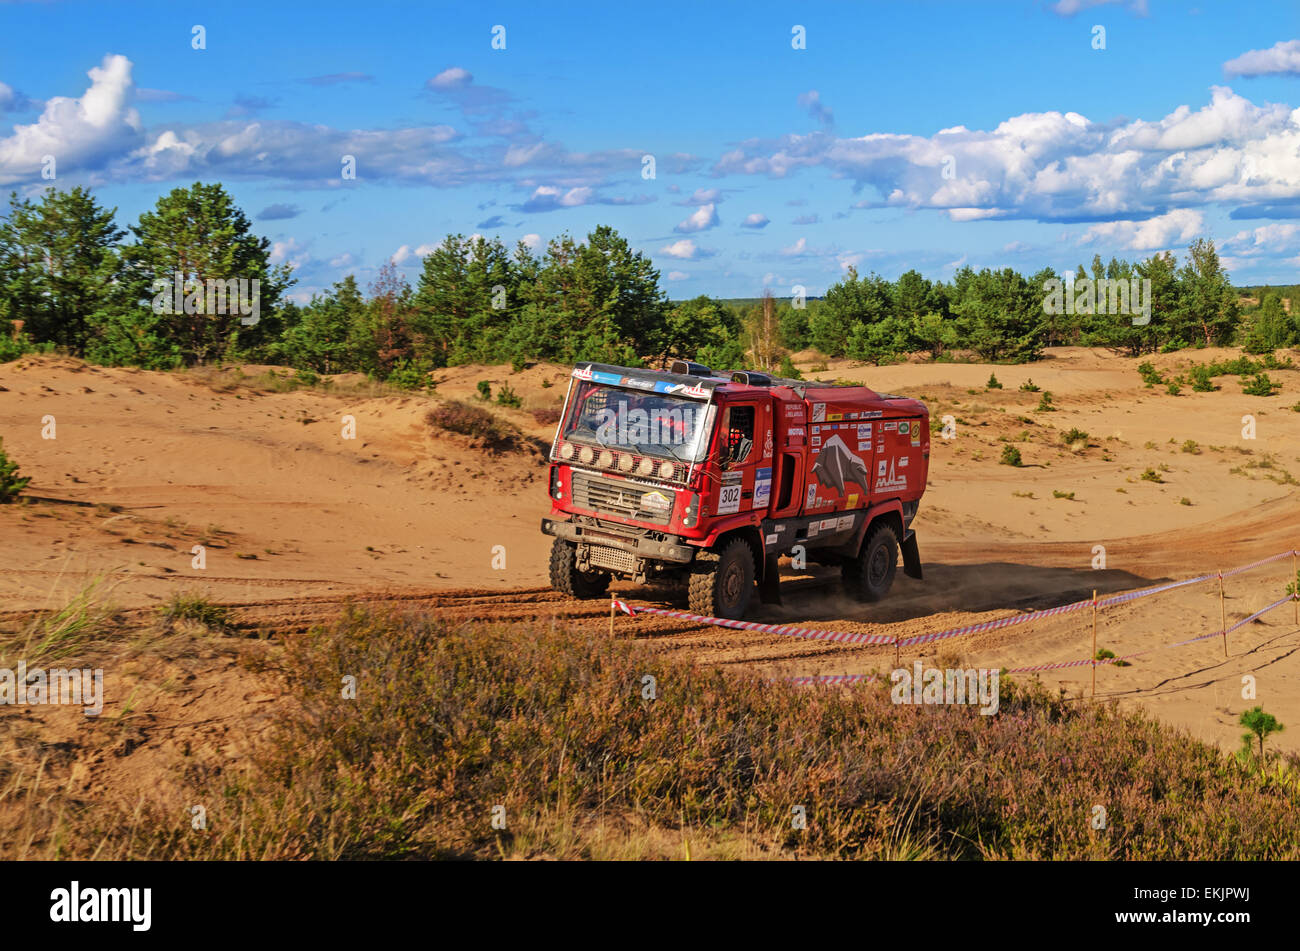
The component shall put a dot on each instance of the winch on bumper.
(600, 547)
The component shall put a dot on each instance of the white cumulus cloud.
(702, 219)
(1280, 59)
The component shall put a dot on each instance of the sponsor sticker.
(817, 440)
(887, 476)
(872, 414)
(843, 522)
(681, 389)
(889, 427)
(656, 502)
(795, 431)
(819, 412)
(826, 523)
(852, 501)
(762, 487)
(902, 428)
(812, 496)
(771, 539)
(835, 416)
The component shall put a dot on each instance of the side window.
(740, 433)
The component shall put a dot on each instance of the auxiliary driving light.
(625, 463)
(586, 454)
(645, 467)
(566, 451)
(606, 459)
(665, 470)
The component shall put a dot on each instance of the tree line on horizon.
(72, 281)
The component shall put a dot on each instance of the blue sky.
(924, 135)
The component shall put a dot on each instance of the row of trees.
(1001, 315)
(77, 282)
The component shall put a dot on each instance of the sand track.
(296, 522)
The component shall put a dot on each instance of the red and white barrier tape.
(844, 637)
(856, 678)
(850, 637)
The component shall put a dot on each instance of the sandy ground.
(293, 518)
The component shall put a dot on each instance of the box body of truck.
(708, 479)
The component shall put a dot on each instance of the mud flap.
(769, 590)
(911, 556)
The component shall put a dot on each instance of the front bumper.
(670, 549)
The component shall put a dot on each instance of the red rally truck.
(709, 478)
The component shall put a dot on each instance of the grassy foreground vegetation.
(450, 721)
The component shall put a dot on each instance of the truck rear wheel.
(567, 579)
(869, 576)
(722, 583)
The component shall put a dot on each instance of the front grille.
(612, 497)
(614, 559)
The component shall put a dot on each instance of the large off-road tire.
(722, 582)
(567, 579)
(869, 576)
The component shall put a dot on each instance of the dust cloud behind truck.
(708, 479)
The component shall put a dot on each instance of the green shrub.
(475, 422)
(1260, 725)
(1202, 381)
(506, 396)
(188, 606)
(1150, 475)
(1074, 435)
(1029, 386)
(1045, 403)
(1010, 456)
(10, 484)
(1150, 375)
(1260, 385)
(484, 390)
(12, 348)
(993, 383)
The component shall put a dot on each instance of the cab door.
(744, 454)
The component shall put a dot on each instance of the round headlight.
(645, 467)
(586, 454)
(625, 463)
(606, 459)
(665, 470)
(566, 451)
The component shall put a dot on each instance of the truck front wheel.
(868, 576)
(567, 579)
(721, 583)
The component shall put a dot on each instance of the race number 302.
(729, 499)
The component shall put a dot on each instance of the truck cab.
(707, 479)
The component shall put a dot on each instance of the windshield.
(651, 424)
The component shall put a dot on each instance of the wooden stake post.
(1094, 642)
(1223, 616)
